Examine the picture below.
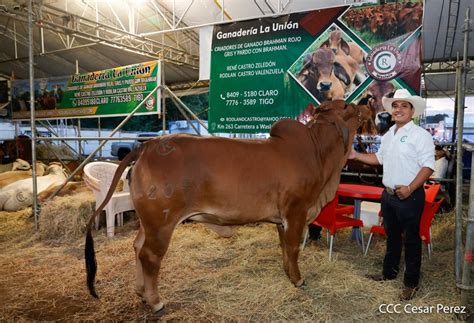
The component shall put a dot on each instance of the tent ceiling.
(101, 34)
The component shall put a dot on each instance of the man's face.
(402, 112)
(439, 153)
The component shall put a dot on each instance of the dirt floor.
(207, 278)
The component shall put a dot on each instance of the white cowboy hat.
(418, 103)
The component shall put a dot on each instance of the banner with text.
(266, 69)
(106, 93)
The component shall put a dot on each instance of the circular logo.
(384, 62)
(150, 103)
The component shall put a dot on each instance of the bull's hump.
(288, 128)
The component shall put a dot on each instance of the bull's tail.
(91, 263)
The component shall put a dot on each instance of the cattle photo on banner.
(107, 93)
(266, 69)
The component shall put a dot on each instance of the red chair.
(425, 225)
(431, 191)
(378, 229)
(342, 209)
(429, 212)
(332, 218)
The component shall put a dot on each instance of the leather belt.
(390, 190)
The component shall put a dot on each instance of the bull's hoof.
(140, 293)
(300, 283)
(157, 307)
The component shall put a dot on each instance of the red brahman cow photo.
(285, 179)
(376, 23)
(319, 78)
(373, 98)
(331, 67)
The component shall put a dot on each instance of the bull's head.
(373, 98)
(323, 60)
(354, 117)
(376, 23)
(336, 43)
(349, 112)
(377, 90)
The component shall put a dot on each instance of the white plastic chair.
(98, 177)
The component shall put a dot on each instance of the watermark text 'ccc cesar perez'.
(420, 309)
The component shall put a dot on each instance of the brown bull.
(285, 180)
(337, 44)
(318, 75)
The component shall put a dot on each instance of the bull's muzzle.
(325, 86)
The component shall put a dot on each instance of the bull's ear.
(325, 106)
(365, 100)
(306, 66)
(345, 47)
(341, 74)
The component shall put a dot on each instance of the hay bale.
(65, 218)
(207, 278)
(53, 151)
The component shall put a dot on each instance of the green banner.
(106, 93)
(266, 69)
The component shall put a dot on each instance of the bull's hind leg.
(138, 244)
(292, 237)
(151, 254)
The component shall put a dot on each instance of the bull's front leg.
(292, 236)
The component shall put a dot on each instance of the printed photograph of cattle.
(48, 94)
(331, 68)
(372, 97)
(394, 20)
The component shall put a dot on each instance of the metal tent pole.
(80, 141)
(178, 100)
(466, 270)
(461, 85)
(459, 167)
(465, 285)
(455, 118)
(99, 135)
(32, 111)
(163, 98)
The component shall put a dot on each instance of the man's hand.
(402, 191)
(352, 154)
(370, 159)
